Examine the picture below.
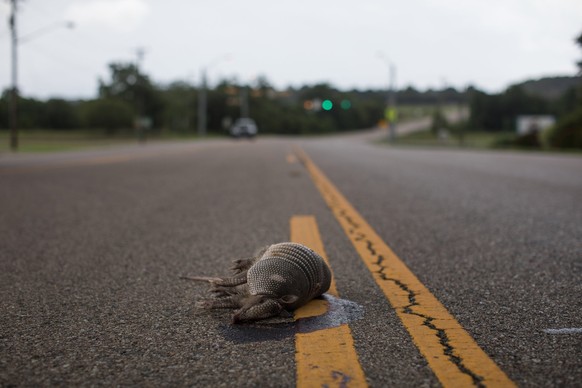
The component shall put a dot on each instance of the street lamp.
(391, 113)
(15, 40)
(202, 98)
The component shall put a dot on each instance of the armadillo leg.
(236, 280)
(221, 292)
(242, 265)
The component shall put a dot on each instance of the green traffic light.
(326, 105)
(346, 104)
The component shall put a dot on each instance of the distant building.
(529, 124)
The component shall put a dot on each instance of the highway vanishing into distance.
(451, 267)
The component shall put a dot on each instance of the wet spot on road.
(340, 311)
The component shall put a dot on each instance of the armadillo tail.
(202, 278)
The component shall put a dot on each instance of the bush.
(529, 140)
(60, 114)
(439, 122)
(567, 133)
(109, 114)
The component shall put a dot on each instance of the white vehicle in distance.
(244, 127)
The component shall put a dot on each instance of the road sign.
(390, 114)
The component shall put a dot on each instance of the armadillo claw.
(220, 292)
(203, 304)
(241, 265)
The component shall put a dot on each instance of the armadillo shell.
(289, 269)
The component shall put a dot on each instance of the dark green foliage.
(549, 88)
(111, 115)
(216, 109)
(128, 84)
(362, 112)
(439, 122)
(567, 133)
(568, 102)
(128, 94)
(61, 114)
(179, 100)
(496, 112)
(529, 140)
(31, 112)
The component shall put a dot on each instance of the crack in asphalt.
(448, 349)
(359, 236)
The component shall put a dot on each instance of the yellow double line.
(324, 357)
(452, 354)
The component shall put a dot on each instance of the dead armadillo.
(279, 278)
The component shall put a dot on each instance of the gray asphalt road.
(92, 244)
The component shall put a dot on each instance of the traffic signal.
(346, 104)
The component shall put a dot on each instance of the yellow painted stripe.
(324, 358)
(450, 351)
(291, 159)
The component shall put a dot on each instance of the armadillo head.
(261, 307)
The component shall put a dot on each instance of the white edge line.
(570, 330)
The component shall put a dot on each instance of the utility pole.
(202, 105)
(14, 91)
(139, 100)
(392, 103)
(244, 102)
(390, 114)
(15, 41)
(202, 94)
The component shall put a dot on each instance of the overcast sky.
(486, 43)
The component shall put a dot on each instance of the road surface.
(93, 244)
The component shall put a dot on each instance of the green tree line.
(498, 112)
(129, 93)
(568, 131)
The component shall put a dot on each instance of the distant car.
(244, 127)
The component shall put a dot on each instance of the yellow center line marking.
(324, 358)
(450, 351)
(291, 159)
